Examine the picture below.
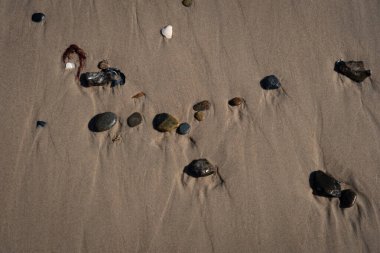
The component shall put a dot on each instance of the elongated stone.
(236, 101)
(165, 122)
(200, 168)
(352, 69)
(324, 185)
(102, 122)
(202, 106)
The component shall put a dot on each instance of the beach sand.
(64, 188)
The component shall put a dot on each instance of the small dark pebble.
(164, 122)
(352, 69)
(200, 116)
(236, 101)
(202, 106)
(270, 83)
(200, 168)
(324, 185)
(183, 129)
(134, 119)
(102, 122)
(38, 17)
(347, 198)
(40, 123)
(187, 3)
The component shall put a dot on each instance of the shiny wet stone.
(347, 198)
(40, 123)
(183, 129)
(106, 76)
(352, 69)
(202, 106)
(165, 122)
(134, 119)
(324, 185)
(270, 83)
(38, 17)
(200, 168)
(236, 101)
(187, 3)
(102, 122)
(200, 116)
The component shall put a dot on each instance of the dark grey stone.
(41, 123)
(324, 185)
(38, 17)
(102, 122)
(105, 76)
(134, 119)
(183, 128)
(352, 69)
(347, 198)
(200, 168)
(270, 83)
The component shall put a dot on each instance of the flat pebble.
(200, 168)
(134, 119)
(352, 69)
(236, 101)
(347, 198)
(187, 3)
(324, 185)
(38, 17)
(202, 106)
(183, 128)
(40, 123)
(200, 116)
(102, 122)
(164, 122)
(270, 83)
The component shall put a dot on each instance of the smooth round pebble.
(187, 3)
(102, 122)
(324, 185)
(200, 116)
(202, 106)
(270, 83)
(134, 119)
(236, 101)
(38, 17)
(200, 168)
(70, 65)
(164, 122)
(183, 128)
(347, 198)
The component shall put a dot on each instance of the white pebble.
(167, 31)
(70, 65)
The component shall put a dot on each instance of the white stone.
(70, 65)
(167, 31)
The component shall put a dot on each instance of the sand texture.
(66, 189)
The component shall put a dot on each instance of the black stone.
(270, 83)
(102, 122)
(183, 129)
(200, 168)
(324, 185)
(40, 123)
(134, 119)
(111, 76)
(202, 106)
(38, 17)
(347, 198)
(352, 69)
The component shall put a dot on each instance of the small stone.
(165, 122)
(138, 95)
(70, 65)
(200, 168)
(38, 17)
(352, 69)
(167, 31)
(236, 101)
(200, 116)
(270, 83)
(102, 122)
(134, 120)
(111, 76)
(347, 198)
(40, 123)
(183, 129)
(103, 64)
(324, 185)
(187, 3)
(202, 106)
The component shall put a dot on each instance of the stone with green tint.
(165, 122)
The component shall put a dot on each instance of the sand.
(64, 188)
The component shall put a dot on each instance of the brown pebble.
(236, 101)
(202, 106)
(103, 64)
(138, 95)
(199, 116)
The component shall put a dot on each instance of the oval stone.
(38, 17)
(202, 106)
(183, 129)
(102, 122)
(187, 3)
(200, 116)
(164, 122)
(200, 168)
(236, 101)
(347, 198)
(324, 185)
(134, 119)
(270, 83)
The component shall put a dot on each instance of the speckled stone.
(200, 168)
(40, 123)
(352, 69)
(347, 198)
(134, 119)
(270, 83)
(38, 17)
(324, 185)
(183, 128)
(165, 122)
(200, 116)
(202, 106)
(187, 3)
(102, 122)
(236, 101)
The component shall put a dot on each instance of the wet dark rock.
(106, 76)
(324, 185)
(202, 106)
(183, 129)
(165, 122)
(200, 116)
(352, 69)
(236, 101)
(38, 17)
(187, 3)
(347, 198)
(200, 168)
(270, 83)
(103, 64)
(134, 119)
(102, 122)
(41, 123)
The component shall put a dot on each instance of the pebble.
(200, 168)
(165, 122)
(38, 17)
(236, 101)
(347, 198)
(183, 129)
(134, 119)
(270, 83)
(103, 64)
(200, 116)
(40, 123)
(352, 69)
(202, 106)
(110, 75)
(324, 185)
(167, 31)
(187, 3)
(70, 65)
(138, 95)
(102, 122)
